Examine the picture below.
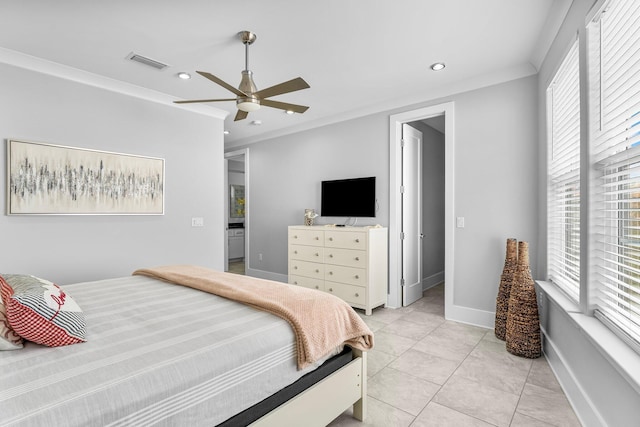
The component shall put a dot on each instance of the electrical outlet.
(197, 222)
(460, 222)
(260, 257)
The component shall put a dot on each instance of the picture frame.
(237, 201)
(48, 179)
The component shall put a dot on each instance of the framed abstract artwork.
(46, 179)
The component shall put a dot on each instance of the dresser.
(349, 262)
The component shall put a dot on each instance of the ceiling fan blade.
(202, 100)
(291, 86)
(284, 105)
(240, 115)
(221, 83)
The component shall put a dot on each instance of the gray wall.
(496, 190)
(592, 364)
(64, 249)
(285, 176)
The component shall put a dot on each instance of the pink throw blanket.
(321, 322)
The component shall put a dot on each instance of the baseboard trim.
(267, 275)
(433, 280)
(576, 395)
(470, 316)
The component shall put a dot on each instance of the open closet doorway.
(421, 204)
(237, 211)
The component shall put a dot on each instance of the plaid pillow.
(41, 311)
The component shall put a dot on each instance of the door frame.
(247, 204)
(394, 298)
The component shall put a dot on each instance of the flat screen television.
(349, 197)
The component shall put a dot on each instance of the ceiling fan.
(248, 98)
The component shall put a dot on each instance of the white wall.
(496, 190)
(64, 249)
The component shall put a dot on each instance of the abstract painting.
(53, 179)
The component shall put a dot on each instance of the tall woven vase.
(504, 291)
(523, 321)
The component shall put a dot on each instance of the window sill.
(624, 359)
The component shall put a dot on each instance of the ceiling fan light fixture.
(248, 105)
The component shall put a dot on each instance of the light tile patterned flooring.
(427, 371)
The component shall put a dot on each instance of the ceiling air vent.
(147, 61)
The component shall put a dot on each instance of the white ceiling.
(359, 56)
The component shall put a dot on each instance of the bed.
(161, 354)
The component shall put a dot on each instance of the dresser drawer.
(347, 257)
(349, 293)
(310, 237)
(345, 239)
(307, 269)
(307, 253)
(307, 282)
(342, 274)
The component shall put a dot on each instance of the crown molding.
(29, 62)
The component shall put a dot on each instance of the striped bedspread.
(156, 354)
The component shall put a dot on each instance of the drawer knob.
(317, 254)
(295, 236)
(317, 238)
(357, 240)
(295, 252)
(357, 258)
(295, 282)
(317, 271)
(357, 277)
(331, 273)
(357, 294)
(331, 239)
(330, 289)
(317, 287)
(330, 255)
(295, 267)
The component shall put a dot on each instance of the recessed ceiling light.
(226, 132)
(184, 76)
(256, 122)
(437, 66)
(289, 112)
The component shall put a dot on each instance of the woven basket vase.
(504, 291)
(523, 321)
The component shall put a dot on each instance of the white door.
(226, 215)
(411, 214)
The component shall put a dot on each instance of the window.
(563, 189)
(614, 87)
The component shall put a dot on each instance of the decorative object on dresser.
(523, 321)
(504, 291)
(349, 262)
(309, 216)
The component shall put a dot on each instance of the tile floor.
(427, 371)
(236, 267)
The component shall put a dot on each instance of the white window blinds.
(563, 186)
(614, 80)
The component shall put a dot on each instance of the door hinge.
(402, 143)
(402, 283)
(401, 235)
(402, 189)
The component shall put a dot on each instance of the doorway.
(396, 262)
(237, 211)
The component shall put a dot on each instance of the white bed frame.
(326, 400)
